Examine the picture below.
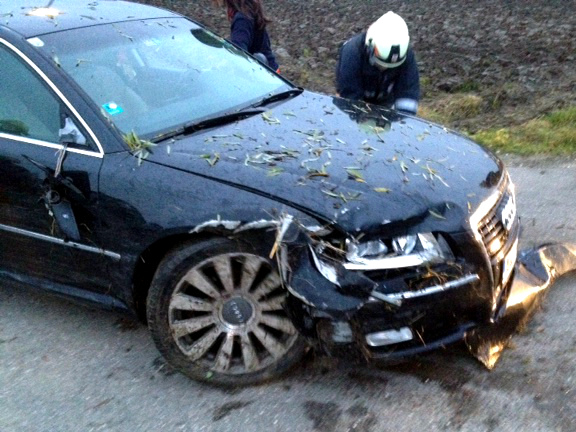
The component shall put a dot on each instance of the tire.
(215, 311)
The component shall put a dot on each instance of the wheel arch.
(149, 260)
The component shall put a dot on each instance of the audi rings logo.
(508, 213)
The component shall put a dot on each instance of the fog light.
(389, 337)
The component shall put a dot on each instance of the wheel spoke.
(189, 303)
(249, 355)
(275, 348)
(224, 357)
(202, 345)
(268, 285)
(273, 304)
(198, 280)
(192, 325)
(249, 271)
(278, 323)
(223, 266)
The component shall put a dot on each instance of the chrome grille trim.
(468, 279)
(488, 222)
(491, 228)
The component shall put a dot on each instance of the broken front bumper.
(365, 323)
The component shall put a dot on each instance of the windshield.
(153, 76)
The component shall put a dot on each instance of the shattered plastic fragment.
(260, 224)
(235, 226)
(216, 223)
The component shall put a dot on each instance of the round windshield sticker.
(112, 108)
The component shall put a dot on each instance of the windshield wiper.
(278, 96)
(208, 123)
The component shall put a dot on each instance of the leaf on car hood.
(269, 118)
(355, 174)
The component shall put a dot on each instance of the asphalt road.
(64, 367)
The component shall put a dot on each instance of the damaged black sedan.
(150, 166)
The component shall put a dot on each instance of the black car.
(150, 166)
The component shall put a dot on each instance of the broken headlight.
(403, 251)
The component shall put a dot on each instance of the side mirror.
(70, 133)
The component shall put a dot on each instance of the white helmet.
(387, 41)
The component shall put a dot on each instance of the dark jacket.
(357, 79)
(245, 35)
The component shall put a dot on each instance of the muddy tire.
(215, 311)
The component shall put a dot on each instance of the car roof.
(16, 14)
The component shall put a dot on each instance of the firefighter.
(378, 66)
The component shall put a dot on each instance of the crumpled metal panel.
(535, 272)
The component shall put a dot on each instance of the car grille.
(495, 227)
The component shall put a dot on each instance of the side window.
(27, 107)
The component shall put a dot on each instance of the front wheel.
(215, 311)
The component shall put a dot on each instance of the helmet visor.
(394, 59)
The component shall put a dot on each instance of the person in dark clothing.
(379, 66)
(248, 29)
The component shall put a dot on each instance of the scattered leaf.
(368, 148)
(330, 193)
(211, 159)
(441, 180)
(313, 173)
(355, 174)
(436, 215)
(80, 61)
(268, 117)
(139, 147)
(314, 135)
(272, 172)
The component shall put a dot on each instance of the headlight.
(404, 251)
(368, 249)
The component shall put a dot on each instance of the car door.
(49, 167)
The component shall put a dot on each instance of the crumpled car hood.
(358, 166)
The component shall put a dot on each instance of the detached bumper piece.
(535, 272)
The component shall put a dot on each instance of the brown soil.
(516, 57)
